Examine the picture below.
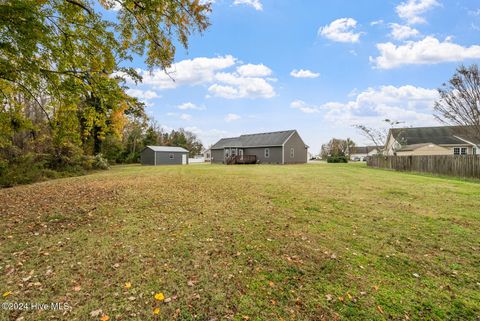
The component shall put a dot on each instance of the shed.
(164, 155)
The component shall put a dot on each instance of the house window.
(292, 152)
(267, 152)
(171, 156)
(226, 152)
(474, 150)
(460, 151)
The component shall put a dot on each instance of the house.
(282, 147)
(442, 140)
(360, 153)
(163, 155)
(207, 155)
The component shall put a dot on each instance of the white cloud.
(341, 30)
(251, 70)
(232, 117)
(302, 73)
(187, 72)
(304, 107)
(186, 106)
(410, 104)
(411, 11)
(248, 81)
(234, 86)
(427, 51)
(209, 136)
(401, 32)
(256, 4)
(142, 94)
(186, 117)
(376, 22)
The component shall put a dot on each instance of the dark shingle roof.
(255, 140)
(362, 149)
(445, 135)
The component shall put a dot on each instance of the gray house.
(283, 147)
(163, 155)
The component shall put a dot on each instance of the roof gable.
(255, 140)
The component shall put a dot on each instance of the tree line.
(63, 69)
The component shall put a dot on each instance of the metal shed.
(164, 155)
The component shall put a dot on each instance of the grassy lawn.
(306, 242)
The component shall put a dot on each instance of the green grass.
(306, 242)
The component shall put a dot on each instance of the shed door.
(184, 159)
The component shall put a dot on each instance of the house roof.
(362, 149)
(255, 140)
(444, 135)
(169, 149)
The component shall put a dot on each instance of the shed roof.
(169, 149)
(255, 140)
(441, 135)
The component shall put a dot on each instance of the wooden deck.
(241, 159)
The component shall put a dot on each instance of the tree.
(62, 63)
(459, 102)
(378, 136)
(337, 147)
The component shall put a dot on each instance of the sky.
(320, 67)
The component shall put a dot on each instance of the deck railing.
(241, 159)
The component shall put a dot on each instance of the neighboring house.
(444, 140)
(163, 155)
(283, 147)
(360, 153)
(207, 155)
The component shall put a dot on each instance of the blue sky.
(316, 66)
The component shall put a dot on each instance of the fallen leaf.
(105, 318)
(96, 313)
(379, 308)
(159, 296)
(128, 285)
(376, 287)
(77, 288)
(329, 297)
(416, 275)
(156, 311)
(271, 284)
(5, 294)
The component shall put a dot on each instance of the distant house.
(282, 147)
(163, 155)
(444, 140)
(207, 155)
(360, 153)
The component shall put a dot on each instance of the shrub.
(337, 159)
(100, 162)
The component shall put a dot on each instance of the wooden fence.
(467, 166)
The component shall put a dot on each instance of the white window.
(226, 152)
(474, 150)
(171, 156)
(267, 152)
(292, 152)
(460, 151)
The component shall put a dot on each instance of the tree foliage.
(61, 96)
(337, 147)
(459, 103)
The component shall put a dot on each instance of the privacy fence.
(467, 166)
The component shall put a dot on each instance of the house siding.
(217, 156)
(301, 152)
(147, 157)
(274, 158)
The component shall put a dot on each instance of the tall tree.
(378, 136)
(459, 103)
